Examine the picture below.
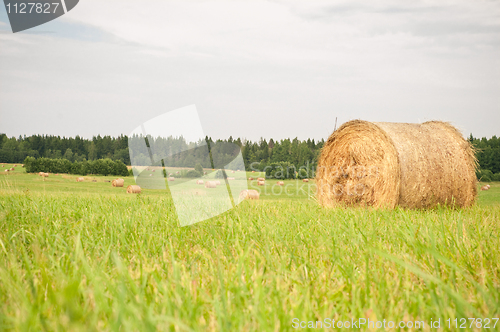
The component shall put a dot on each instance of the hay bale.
(40, 173)
(250, 179)
(485, 187)
(199, 182)
(261, 179)
(280, 183)
(80, 179)
(261, 183)
(7, 170)
(389, 164)
(45, 175)
(118, 182)
(305, 180)
(210, 184)
(171, 178)
(217, 182)
(249, 194)
(12, 168)
(230, 178)
(133, 189)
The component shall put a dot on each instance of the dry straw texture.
(249, 194)
(389, 164)
(133, 189)
(80, 179)
(210, 184)
(118, 183)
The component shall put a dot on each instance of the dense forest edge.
(256, 155)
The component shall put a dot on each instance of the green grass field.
(89, 257)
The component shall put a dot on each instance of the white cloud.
(295, 63)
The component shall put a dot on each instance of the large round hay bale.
(80, 179)
(261, 179)
(389, 164)
(199, 182)
(45, 175)
(305, 180)
(280, 183)
(261, 183)
(133, 189)
(249, 194)
(250, 179)
(40, 173)
(210, 184)
(217, 182)
(118, 183)
(170, 178)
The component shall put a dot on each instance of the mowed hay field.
(84, 256)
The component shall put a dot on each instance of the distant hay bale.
(249, 194)
(253, 171)
(199, 182)
(177, 172)
(305, 180)
(230, 178)
(45, 175)
(261, 179)
(280, 183)
(12, 168)
(40, 173)
(118, 183)
(7, 170)
(210, 184)
(217, 182)
(170, 174)
(261, 183)
(232, 171)
(250, 179)
(133, 189)
(80, 179)
(390, 164)
(171, 178)
(485, 187)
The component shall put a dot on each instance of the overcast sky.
(272, 69)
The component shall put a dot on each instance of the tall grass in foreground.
(101, 262)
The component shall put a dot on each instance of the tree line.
(256, 155)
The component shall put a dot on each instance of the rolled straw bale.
(253, 171)
(250, 179)
(133, 189)
(199, 181)
(217, 182)
(389, 164)
(40, 173)
(232, 171)
(45, 175)
(305, 180)
(249, 194)
(261, 179)
(171, 178)
(118, 183)
(280, 183)
(80, 179)
(485, 187)
(261, 183)
(7, 170)
(12, 168)
(210, 184)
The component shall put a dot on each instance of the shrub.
(193, 174)
(496, 177)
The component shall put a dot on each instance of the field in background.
(87, 256)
